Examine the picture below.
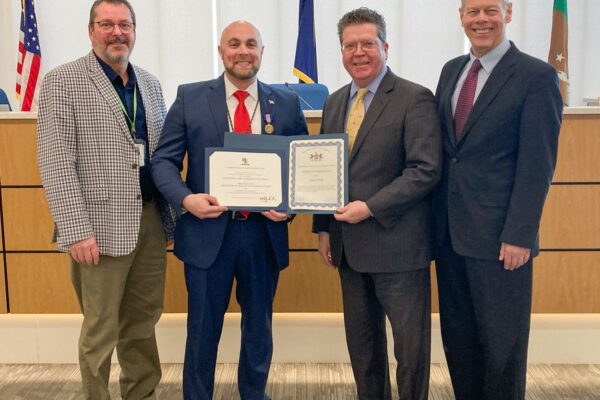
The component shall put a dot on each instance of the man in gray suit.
(381, 239)
(99, 121)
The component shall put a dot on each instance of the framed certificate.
(246, 179)
(292, 174)
(317, 174)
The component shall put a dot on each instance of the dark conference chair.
(4, 103)
(312, 95)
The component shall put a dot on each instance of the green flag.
(559, 47)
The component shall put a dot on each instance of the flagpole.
(558, 55)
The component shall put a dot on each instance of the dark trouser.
(121, 299)
(405, 298)
(246, 255)
(485, 312)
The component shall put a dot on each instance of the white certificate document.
(246, 180)
(316, 174)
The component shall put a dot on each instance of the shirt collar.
(371, 86)
(489, 61)
(230, 89)
(112, 75)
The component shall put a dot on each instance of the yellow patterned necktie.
(356, 116)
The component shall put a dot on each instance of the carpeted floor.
(287, 381)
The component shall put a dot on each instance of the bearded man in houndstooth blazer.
(99, 122)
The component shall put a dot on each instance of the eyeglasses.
(108, 26)
(367, 45)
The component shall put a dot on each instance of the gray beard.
(252, 73)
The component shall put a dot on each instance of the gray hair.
(462, 3)
(117, 2)
(362, 15)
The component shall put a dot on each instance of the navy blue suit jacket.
(197, 120)
(495, 179)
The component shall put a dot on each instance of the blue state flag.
(305, 64)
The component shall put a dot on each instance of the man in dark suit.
(217, 245)
(381, 239)
(501, 112)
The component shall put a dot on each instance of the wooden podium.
(35, 278)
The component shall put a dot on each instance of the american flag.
(29, 59)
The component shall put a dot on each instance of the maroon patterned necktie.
(464, 105)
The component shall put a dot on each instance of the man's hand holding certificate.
(289, 174)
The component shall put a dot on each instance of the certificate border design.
(339, 147)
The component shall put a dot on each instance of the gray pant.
(121, 299)
(405, 298)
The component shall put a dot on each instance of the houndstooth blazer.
(87, 159)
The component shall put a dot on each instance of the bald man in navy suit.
(215, 244)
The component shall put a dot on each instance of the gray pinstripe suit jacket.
(393, 167)
(87, 159)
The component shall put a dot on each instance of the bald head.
(241, 50)
(238, 29)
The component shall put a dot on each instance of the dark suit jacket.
(197, 120)
(393, 167)
(496, 178)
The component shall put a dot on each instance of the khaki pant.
(121, 299)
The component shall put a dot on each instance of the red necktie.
(464, 105)
(241, 122)
(241, 118)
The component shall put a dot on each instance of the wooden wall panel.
(301, 236)
(3, 302)
(18, 154)
(308, 286)
(175, 290)
(571, 218)
(435, 303)
(314, 125)
(566, 282)
(305, 286)
(578, 150)
(40, 284)
(1, 230)
(27, 221)
(563, 281)
(3, 309)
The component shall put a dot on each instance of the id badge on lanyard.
(140, 147)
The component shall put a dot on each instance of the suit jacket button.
(454, 160)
